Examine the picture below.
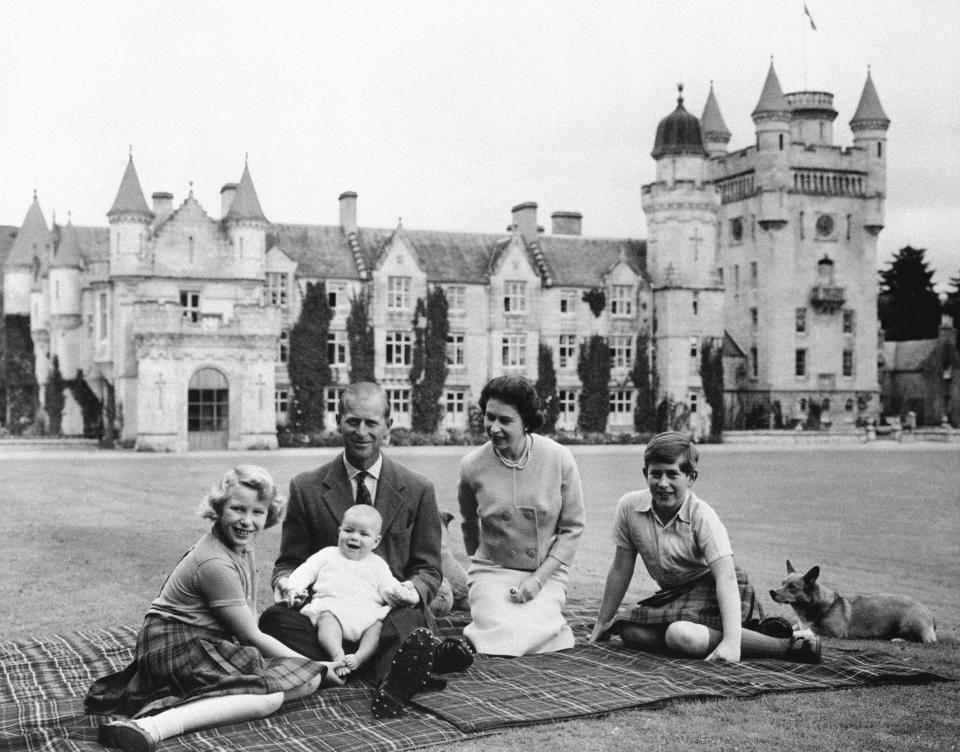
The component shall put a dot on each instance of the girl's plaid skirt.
(176, 663)
(698, 604)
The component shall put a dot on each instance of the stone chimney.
(162, 206)
(566, 222)
(525, 220)
(227, 194)
(348, 212)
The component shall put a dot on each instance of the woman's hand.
(528, 590)
(599, 632)
(727, 651)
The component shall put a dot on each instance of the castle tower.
(246, 226)
(869, 125)
(66, 335)
(129, 219)
(771, 118)
(28, 258)
(681, 212)
(716, 135)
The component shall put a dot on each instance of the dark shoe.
(804, 649)
(776, 626)
(452, 655)
(125, 735)
(409, 671)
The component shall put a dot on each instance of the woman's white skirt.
(500, 626)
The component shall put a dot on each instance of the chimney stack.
(162, 206)
(348, 212)
(525, 220)
(567, 222)
(227, 194)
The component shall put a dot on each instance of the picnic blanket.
(43, 682)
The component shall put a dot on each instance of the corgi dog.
(881, 617)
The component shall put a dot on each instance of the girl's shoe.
(126, 735)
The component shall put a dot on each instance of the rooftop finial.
(680, 93)
(130, 150)
(246, 158)
(191, 187)
(69, 217)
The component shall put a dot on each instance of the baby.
(348, 583)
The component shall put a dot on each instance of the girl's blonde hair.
(248, 476)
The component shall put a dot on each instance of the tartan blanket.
(43, 682)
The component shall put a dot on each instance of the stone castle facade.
(182, 319)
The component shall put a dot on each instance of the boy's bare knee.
(687, 638)
(269, 704)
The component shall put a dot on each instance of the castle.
(182, 320)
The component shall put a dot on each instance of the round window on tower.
(825, 225)
(736, 229)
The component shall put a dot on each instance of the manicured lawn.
(90, 537)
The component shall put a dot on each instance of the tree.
(53, 398)
(547, 389)
(594, 372)
(90, 405)
(907, 306)
(360, 338)
(308, 364)
(711, 375)
(951, 306)
(645, 411)
(18, 372)
(429, 371)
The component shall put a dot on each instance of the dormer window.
(398, 293)
(621, 300)
(514, 296)
(278, 289)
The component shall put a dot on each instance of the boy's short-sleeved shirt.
(678, 551)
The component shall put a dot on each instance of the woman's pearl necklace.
(520, 462)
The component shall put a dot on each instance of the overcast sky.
(448, 113)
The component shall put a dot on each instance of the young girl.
(200, 659)
(346, 587)
(704, 599)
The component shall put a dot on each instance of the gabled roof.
(449, 256)
(67, 254)
(319, 250)
(730, 347)
(577, 261)
(245, 205)
(130, 198)
(869, 110)
(771, 98)
(32, 241)
(711, 122)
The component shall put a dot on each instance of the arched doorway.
(207, 410)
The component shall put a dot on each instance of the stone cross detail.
(160, 383)
(697, 239)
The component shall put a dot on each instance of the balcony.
(826, 299)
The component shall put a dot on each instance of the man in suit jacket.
(410, 545)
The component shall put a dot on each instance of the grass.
(90, 537)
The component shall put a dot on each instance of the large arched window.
(207, 407)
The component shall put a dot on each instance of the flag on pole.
(806, 12)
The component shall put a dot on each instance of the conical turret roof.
(68, 253)
(130, 199)
(771, 98)
(711, 122)
(246, 205)
(32, 241)
(678, 133)
(869, 111)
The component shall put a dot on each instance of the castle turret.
(65, 274)
(28, 259)
(716, 135)
(678, 147)
(129, 219)
(869, 125)
(246, 226)
(772, 118)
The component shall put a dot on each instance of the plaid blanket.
(43, 682)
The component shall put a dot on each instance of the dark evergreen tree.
(645, 410)
(308, 364)
(360, 338)
(907, 306)
(594, 372)
(951, 306)
(53, 398)
(19, 376)
(429, 372)
(547, 389)
(90, 405)
(711, 375)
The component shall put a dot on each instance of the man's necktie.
(363, 493)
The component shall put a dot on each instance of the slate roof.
(246, 204)
(7, 235)
(771, 98)
(678, 133)
(32, 241)
(577, 261)
(130, 198)
(909, 355)
(319, 250)
(67, 253)
(869, 110)
(711, 122)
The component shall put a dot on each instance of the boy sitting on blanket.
(704, 600)
(345, 588)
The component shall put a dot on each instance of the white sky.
(448, 113)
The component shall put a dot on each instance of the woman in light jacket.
(522, 509)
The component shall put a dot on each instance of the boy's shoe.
(409, 673)
(804, 649)
(452, 655)
(126, 735)
(776, 626)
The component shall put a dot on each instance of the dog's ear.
(811, 577)
(790, 569)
